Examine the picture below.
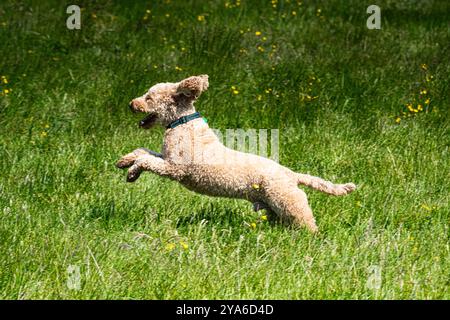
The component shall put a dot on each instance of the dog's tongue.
(147, 121)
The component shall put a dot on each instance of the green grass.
(66, 122)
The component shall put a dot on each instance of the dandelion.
(177, 68)
(234, 90)
(6, 91)
(264, 218)
(264, 38)
(429, 78)
(201, 18)
(43, 134)
(424, 91)
(427, 101)
(397, 120)
(255, 186)
(47, 126)
(419, 107)
(184, 245)
(259, 97)
(423, 66)
(253, 225)
(170, 246)
(257, 33)
(260, 49)
(148, 11)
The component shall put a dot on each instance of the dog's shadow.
(225, 217)
(215, 213)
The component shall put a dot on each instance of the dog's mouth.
(148, 121)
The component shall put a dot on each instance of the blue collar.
(183, 120)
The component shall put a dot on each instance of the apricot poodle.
(193, 155)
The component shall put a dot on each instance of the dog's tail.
(325, 186)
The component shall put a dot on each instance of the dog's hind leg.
(291, 204)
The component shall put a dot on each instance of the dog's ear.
(193, 86)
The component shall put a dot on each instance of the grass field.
(351, 104)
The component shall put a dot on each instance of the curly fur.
(193, 155)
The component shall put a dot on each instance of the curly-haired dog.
(193, 155)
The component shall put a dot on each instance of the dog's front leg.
(148, 163)
(128, 160)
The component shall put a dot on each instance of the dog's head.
(166, 102)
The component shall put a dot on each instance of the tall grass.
(337, 92)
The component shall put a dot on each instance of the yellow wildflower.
(255, 186)
(170, 246)
(184, 245)
(260, 49)
(294, 13)
(201, 18)
(424, 66)
(235, 92)
(253, 225)
(427, 101)
(257, 33)
(178, 68)
(264, 217)
(398, 120)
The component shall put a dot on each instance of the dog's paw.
(349, 187)
(134, 172)
(124, 162)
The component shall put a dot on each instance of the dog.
(193, 155)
